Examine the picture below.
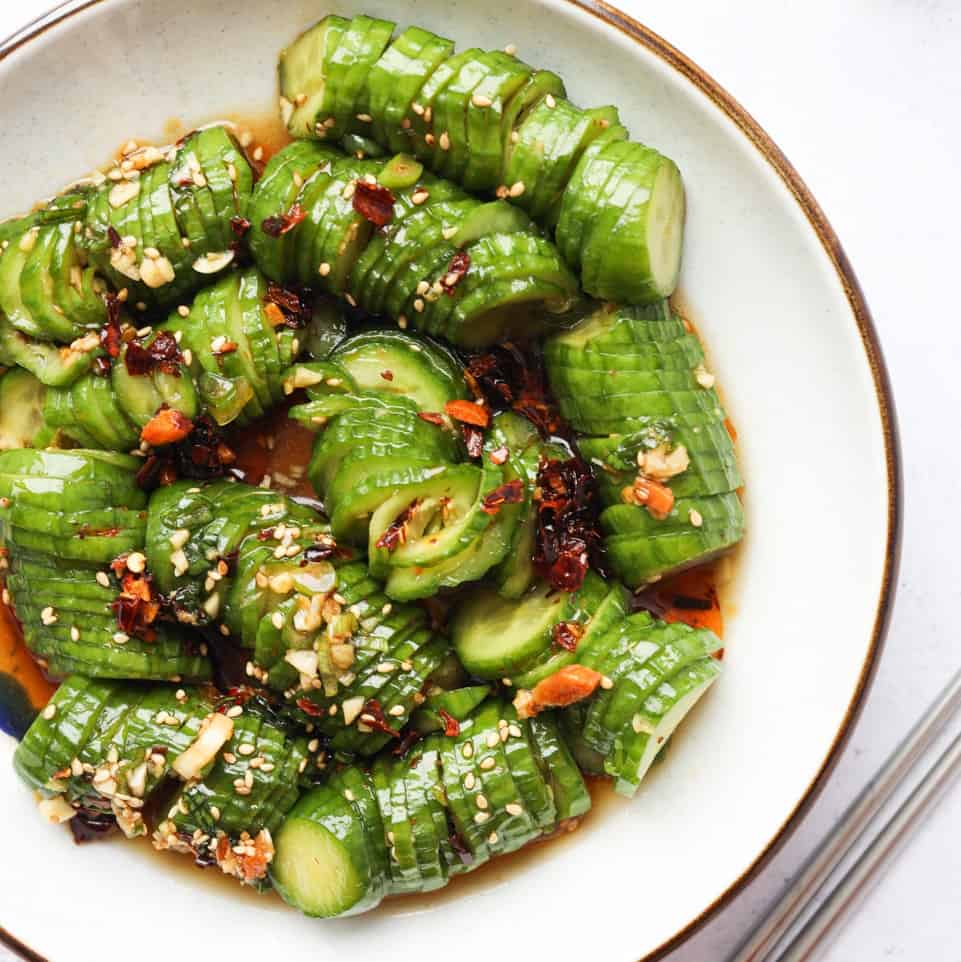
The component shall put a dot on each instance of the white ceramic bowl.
(791, 340)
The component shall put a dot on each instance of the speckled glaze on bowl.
(791, 340)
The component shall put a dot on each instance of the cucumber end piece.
(313, 872)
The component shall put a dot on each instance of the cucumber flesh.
(21, 409)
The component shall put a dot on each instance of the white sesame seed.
(469, 781)
(136, 562)
(48, 616)
(516, 189)
(510, 49)
(695, 518)
(512, 808)
(481, 817)
(606, 683)
(324, 269)
(550, 101)
(103, 579)
(467, 750)
(479, 100)
(235, 711)
(492, 740)
(488, 763)
(492, 838)
(277, 620)
(481, 801)
(121, 638)
(444, 141)
(74, 633)
(50, 711)
(179, 538)
(396, 711)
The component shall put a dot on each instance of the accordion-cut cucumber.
(65, 517)
(112, 747)
(495, 125)
(658, 672)
(231, 364)
(444, 262)
(634, 380)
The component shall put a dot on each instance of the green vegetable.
(114, 746)
(229, 366)
(495, 125)
(64, 517)
(658, 672)
(413, 822)
(451, 265)
(634, 381)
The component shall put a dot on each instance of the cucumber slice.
(307, 100)
(497, 637)
(396, 79)
(392, 362)
(347, 70)
(53, 366)
(22, 399)
(642, 263)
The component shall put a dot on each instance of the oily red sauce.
(281, 447)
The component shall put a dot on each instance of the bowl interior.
(791, 360)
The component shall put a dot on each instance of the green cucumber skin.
(493, 123)
(516, 281)
(67, 516)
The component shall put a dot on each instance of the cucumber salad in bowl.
(360, 497)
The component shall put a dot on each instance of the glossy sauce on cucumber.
(280, 447)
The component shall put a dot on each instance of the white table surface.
(862, 95)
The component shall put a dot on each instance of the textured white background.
(863, 98)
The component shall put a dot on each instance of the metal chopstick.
(855, 881)
(850, 827)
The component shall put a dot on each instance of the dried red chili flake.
(469, 413)
(101, 366)
(373, 202)
(431, 417)
(566, 634)
(500, 455)
(451, 724)
(473, 439)
(113, 236)
(320, 552)
(309, 708)
(167, 426)
(162, 353)
(137, 605)
(110, 333)
(239, 225)
(372, 715)
(456, 271)
(387, 375)
(508, 378)
(511, 492)
(396, 532)
(568, 539)
(293, 302)
(279, 224)
(227, 347)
